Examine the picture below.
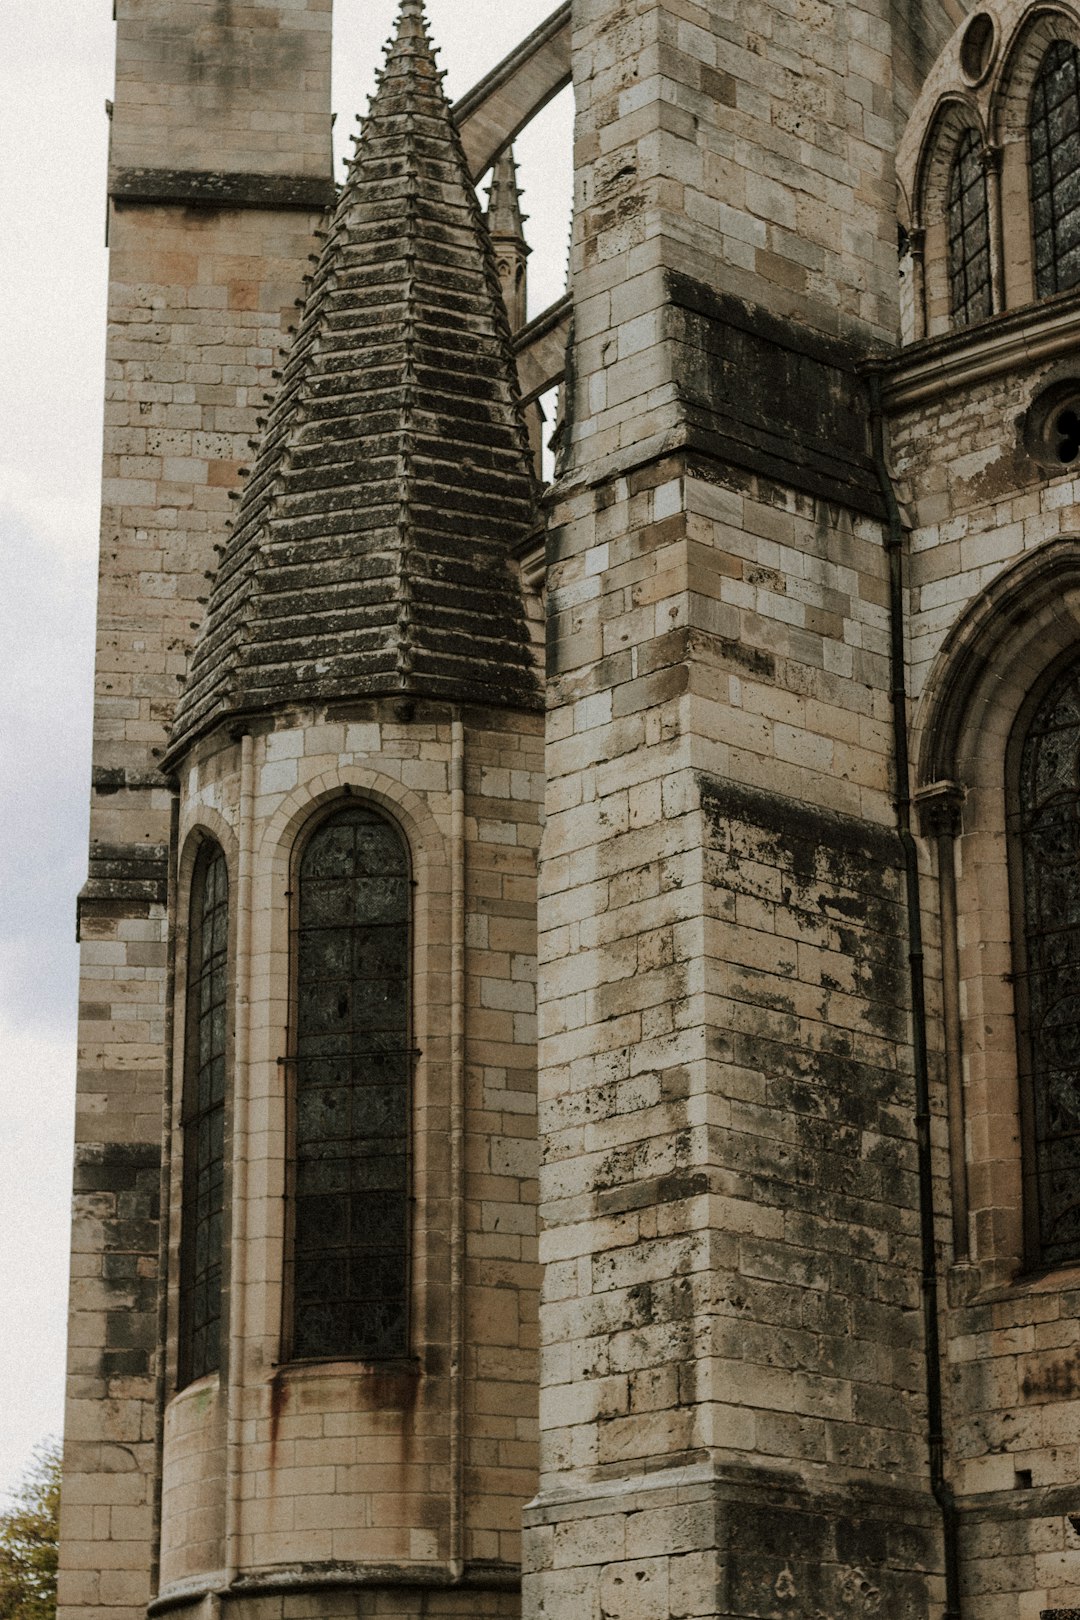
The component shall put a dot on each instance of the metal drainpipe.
(894, 541)
(457, 1149)
(160, 1399)
(950, 1008)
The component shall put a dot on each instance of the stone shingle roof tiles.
(371, 555)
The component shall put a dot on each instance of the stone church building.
(579, 1089)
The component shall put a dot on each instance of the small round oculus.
(978, 48)
(1051, 428)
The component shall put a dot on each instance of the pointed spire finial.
(410, 56)
(504, 216)
(412, 24)
(506, 227)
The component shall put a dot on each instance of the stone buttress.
(733, 1416)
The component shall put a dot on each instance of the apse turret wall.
(411, 1472)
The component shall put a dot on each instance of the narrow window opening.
(1049, 795)
(203, 1119)
(969, 235)
(1055, 169)
(351, 1076)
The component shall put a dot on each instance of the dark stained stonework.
(372, 552)
(122, 873)
(811, 832)
(771, 397)
(781, 1547)
(215, 189)
(117, 1190)
(795, 1551)
(826, 1141)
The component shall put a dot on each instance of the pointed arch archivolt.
(1010, 113)
(988, 661)
(407, 808)
(997, 108)
(957, 114)
(1010, 91)
(1024, 623)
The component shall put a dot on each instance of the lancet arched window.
(1055, 169)
(969, 235)
(1049, 978)
(203, 1118)
(352, 1061)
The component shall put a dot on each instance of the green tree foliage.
(28, 1541)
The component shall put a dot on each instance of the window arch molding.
(207, 831)
(284, 836)
(1010, 110)
(988, 674)
(956, 118)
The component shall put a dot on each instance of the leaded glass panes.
(352, 1064)
(203, 1118)
(1055, 169)
(1050, 841)
(969, 235)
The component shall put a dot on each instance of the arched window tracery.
(1054, 129)
(1049, 981)
(203, 1118)
(969, 234)
(351, 1084)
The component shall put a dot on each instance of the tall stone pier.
(732, 1405)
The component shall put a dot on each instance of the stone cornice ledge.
(1007, 342)
(222, 189)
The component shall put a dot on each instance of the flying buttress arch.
(489, 116)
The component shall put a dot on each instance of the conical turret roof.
(371, 554)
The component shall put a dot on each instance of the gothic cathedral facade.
(575, 1087)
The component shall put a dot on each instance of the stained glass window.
(969, 235)
(1050, 841)
(1055, 169)
(203, 1118)
(352, 1066)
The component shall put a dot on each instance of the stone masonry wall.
(223, 86)
(750, 150)
(979, 505)
(199, 297)
(196, 317)
(728, 1191)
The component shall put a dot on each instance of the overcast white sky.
(55, 76)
